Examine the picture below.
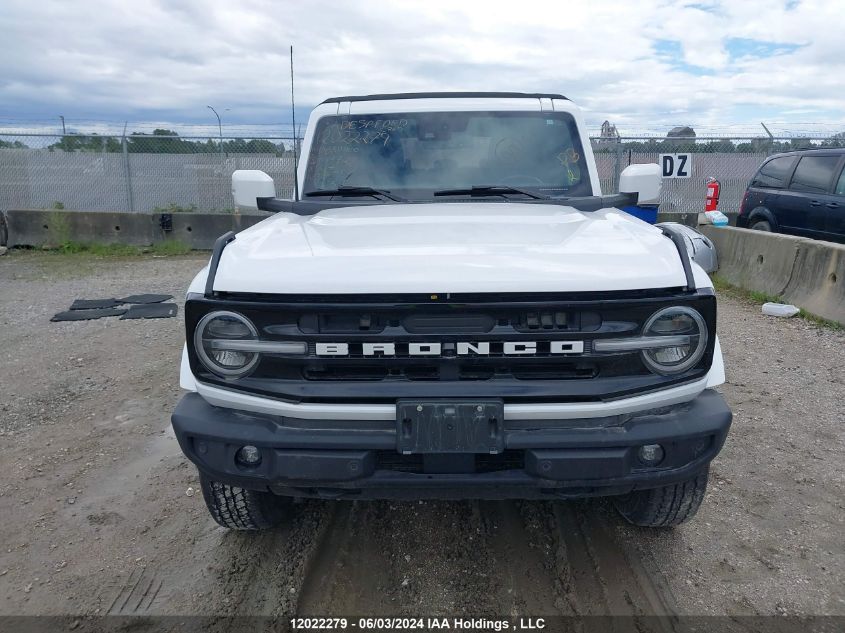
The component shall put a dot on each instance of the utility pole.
(293, 131)
(222, 197)
(130, 201)
(61, 116)
(219, 126)
(771, 137)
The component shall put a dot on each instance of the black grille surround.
(496, 318)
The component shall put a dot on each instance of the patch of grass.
(170, 247)
(762, 297)
(821, 321)
(727, 288)
(175, 208)
(95, 249)
(98, 250)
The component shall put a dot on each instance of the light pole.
(219, 126)
(61, 116)
(222, 165)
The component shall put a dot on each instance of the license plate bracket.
(450, 426)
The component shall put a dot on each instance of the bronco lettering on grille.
(462, 348)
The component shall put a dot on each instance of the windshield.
(415, 154)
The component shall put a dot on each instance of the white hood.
(455, 247)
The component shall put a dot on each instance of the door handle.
(832, 205)
(815, 203)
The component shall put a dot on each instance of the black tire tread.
(241, 509)
(666, 506)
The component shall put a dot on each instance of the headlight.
(220, 341)
(674, 340)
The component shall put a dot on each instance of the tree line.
(161, 141)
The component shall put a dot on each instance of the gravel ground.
(100, 513)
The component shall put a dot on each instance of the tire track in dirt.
(603, 578)
(409, 559)
(523, 550)
(261, 573)
(349, 571)
(137, 593)
(487, 557)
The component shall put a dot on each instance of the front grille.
(543, 376)
(514, 368)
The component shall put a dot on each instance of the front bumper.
(542, 459)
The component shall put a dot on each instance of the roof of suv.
(812, 152)
(448, 95)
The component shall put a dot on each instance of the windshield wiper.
(345, 190)
(488, 190)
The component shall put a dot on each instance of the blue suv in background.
(801, 193)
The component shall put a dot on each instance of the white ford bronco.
(448, 307)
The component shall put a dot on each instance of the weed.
(58, 227)
(167, 248)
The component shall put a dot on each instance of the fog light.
(248, 456)
(651, 454)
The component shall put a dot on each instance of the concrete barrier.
(818, 279)
(53, 228)
(805, 272)
(199, 230)
(753, 259)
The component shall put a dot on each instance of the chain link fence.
(732, 161)
(163, 172)
(732, 168)
(137, 173)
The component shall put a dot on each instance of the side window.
(774, 173)
(814, 174)
(840, 186)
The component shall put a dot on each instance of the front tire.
(241, 509)
(666, 506)
(761, 225)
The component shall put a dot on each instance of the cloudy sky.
(643, 65)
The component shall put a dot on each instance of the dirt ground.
(101, 514)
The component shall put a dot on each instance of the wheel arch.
(763, 213)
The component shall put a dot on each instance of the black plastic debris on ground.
(87, 315)
(151, 311)
(143, 299)
(90, 304)
(142, 306)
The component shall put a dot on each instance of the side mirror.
(250, 184)
(643, 180)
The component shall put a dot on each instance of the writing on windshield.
(419, 153)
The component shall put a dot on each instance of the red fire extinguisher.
(711, 201)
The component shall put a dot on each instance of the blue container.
(646, 214)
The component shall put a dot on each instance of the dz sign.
(676, 165)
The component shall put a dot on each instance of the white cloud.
(115, 59)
